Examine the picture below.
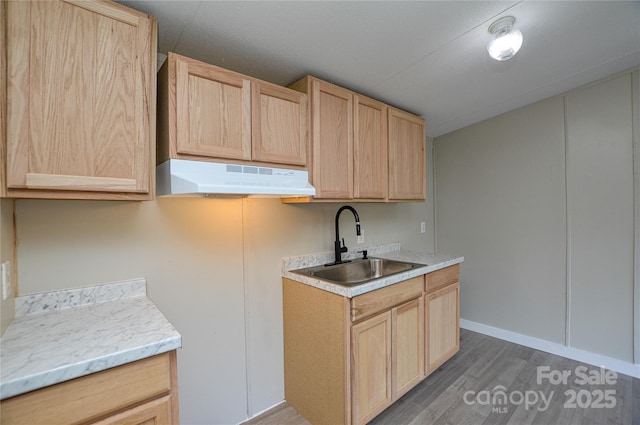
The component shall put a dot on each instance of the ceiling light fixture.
(506, 41)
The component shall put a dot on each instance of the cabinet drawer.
(92, 396)
(372, 302)
(155, 412)
(442, 277)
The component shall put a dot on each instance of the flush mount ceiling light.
(506, 41)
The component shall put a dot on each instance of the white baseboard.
(588, 357)
(267, 410)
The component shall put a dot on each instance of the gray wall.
(213, 268)
(540, 203)
(600, 217)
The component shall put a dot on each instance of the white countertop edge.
(55, 376)
(350, 292)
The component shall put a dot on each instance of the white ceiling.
(428, 57)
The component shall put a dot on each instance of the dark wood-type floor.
(462, 392)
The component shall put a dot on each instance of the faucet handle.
(343, 248)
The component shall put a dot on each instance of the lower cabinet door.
(407, 354)
(442, 313)
(156, 412)
(371, 367)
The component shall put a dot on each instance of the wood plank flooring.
(465, 390)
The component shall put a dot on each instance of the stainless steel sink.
(358, 271)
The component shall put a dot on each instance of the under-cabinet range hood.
(178, 177)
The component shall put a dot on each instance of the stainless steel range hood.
(178, 177)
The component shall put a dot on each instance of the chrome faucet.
(338, 248)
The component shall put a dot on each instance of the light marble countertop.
(58, 336)
(394, 251)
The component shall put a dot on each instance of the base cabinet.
(142, 392)
(443, 330)
(442, 316)
(346, 360)
(371, 367)
(387, 359)
(408, 347)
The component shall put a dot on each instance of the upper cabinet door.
(370, 149)
(213, 110)
(279, 123)
(362, 149)
(332, 140)
(407, 168)
(80, 100)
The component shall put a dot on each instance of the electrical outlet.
(423, 227)
(7, 287)
(361, 237)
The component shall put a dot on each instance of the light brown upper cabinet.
(362, 149)
(370, 149)
(81, 87)
(331, 138)
(407, 168)
(212, 114)
(279, 123)
(209, 113)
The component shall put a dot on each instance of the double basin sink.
(358, 271)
